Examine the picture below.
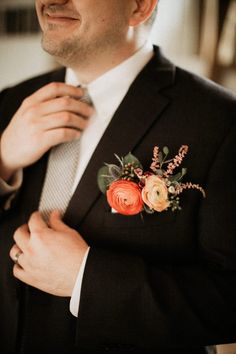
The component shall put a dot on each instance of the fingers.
(65, 103)
(52, 115)
(58, 136)
(15, 253)
(36, 223)
(59, 119)
(51, 91)
(63, 120)
(21, 237)
(56, 223)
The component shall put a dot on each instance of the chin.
(63, 52)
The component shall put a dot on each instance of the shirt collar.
(116, 81)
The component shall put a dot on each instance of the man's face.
(74, 29)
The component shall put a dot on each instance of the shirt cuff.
(13, 185)
(75, 298)
(8, 190)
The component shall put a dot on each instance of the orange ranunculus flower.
(155, 193)
(125, 197)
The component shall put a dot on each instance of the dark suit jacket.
(164, 284)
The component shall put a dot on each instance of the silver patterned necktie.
(60, 175)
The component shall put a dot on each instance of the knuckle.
(66, 101)
(17, 233)
(66, 117)
(33, 215)
(25, 103)
(12, 251)
(54, 87)
(30, 112)
(38, 234)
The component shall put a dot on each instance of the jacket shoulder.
(202, 102)
(202, 88)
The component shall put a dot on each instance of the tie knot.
(86, 98)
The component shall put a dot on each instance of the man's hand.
(51, 255)
(52, 115)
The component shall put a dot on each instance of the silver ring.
(16, 257)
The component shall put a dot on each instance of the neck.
(101, 62)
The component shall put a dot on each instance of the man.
(94, 280)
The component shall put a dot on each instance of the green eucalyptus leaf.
(120, 160)
(166, 150)
(103, 179)
(114, 171)
(131, 159)
(160, 157)
(159, 172)
(175, 177)
(184, 171)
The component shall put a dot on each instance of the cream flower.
(155, 193)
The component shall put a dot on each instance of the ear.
(142, 10)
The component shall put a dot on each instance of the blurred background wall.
(199, 35)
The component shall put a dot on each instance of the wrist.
(6, 173)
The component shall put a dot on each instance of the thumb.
(36, 222)
(56, 223)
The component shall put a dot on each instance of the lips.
(60, 16)
(59, 13)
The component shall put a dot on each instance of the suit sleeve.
(3, 122)
(8, 190)
(132, 302)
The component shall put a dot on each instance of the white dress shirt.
(106, 93)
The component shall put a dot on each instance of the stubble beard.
(73, 51)
(66, 52)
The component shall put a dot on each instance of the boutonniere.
(131, 190)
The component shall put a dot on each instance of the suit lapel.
(140, 108)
